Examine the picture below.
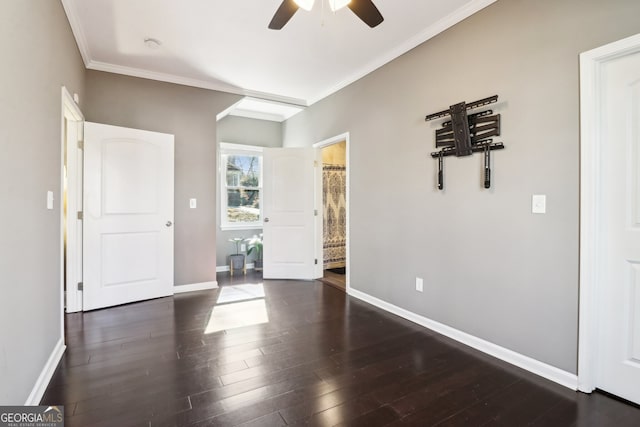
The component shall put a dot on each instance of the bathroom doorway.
(334, 214)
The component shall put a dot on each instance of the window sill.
(241, 227)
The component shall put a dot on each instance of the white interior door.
(619, 334)
(128, 215)
(289, 217)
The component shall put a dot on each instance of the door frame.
(591, 192)
(71, 112)
(318, 193)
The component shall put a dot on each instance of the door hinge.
(315, 212)
(315, 163)
(80, 215)
(80, 145)
(316, 261)
(80, 286)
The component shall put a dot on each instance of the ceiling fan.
(364, 9)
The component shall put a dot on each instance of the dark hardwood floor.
(294, 353)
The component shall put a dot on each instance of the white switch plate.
(193, 203)
(49, 199)
(539, 203)
(243, 247)
(419, 284)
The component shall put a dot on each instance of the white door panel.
(289, 227)
(619, 338)
(128, 215)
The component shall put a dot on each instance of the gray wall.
(189, 114)
(491, 268)
(242, 130)
(39, 56)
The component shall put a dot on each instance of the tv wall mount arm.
(466, 134)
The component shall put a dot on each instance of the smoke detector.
(152, 43)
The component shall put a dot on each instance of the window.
(241, 186)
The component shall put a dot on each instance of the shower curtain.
(334, 186)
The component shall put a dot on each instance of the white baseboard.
(542, 369)
(223, 268)
(203, 286)
(47, 373)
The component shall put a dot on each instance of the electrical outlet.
(243, 247)
(419, 284)
(193, 203)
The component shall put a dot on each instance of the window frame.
(225, 150)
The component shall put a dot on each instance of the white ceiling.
(226, 45)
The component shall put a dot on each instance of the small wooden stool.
(244, 266)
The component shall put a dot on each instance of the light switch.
(193, 203)
(49, 199)
(539, 203)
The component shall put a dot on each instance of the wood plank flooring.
(338, 281)
(294, 353)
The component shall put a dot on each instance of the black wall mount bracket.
(466, 134)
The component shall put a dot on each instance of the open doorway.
(334, 213)
(71, 206)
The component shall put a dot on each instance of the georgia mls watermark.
(31, 416)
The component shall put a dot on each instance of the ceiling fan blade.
(367, 11)
(286, 10)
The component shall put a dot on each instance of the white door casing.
(128, 215)
(288, 207)
(72, 134)
(319, 206)
(609, 350)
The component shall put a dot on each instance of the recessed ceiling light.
(152, 43)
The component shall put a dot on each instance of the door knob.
(266, 220)
(169, 224)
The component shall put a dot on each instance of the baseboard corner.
(46, 374)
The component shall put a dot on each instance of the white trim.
(46, 374)
(223, 268)
(230, 147)
(428, 33)
(591, 231)
(193, 287)
(346, 136)
(542, 369)
(433, 30)
(256, 226)
(71, 112)
(185, 81)
(76, 29)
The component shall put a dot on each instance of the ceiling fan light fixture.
(305, 4)
(338, 4)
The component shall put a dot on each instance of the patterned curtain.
(334, 187)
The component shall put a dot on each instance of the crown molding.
(76, 29)
(186, 81)
(428, 33)
(433, 30)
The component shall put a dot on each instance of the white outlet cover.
(419, 284)
(539, 203)
(193, 203)
(49, 199)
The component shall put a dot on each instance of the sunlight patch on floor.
(238, 306)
